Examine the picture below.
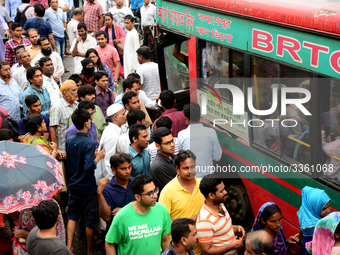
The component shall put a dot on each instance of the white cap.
(113, 109)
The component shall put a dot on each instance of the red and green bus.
(261, 45)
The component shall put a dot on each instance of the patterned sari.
(279, 240)
(27, 222)
(323, 237)
(39, 140)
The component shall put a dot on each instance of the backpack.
(9, 123)
(21, 17)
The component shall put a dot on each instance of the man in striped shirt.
(215, 231)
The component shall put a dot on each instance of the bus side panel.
(192, 68)
(258, 196)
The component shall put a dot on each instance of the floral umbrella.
(28, 175)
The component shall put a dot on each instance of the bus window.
(177, 72)
(331, 128)
(288, 134)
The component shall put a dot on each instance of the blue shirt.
(45, 29)
(12, 6)
(44, 98)
(56, 21)
(119, 99)
(140, 162)
(116, 196)
(92, 133)
(23, 131)
(171, 251)
(80, 151)
(10, 97)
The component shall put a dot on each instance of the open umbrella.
(28, 175)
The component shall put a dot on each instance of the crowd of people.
(134, 166)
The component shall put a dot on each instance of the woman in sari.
(269, 218)
(115, 37)
(25, 223)
(36, 127)
(87, 73)
(98, 66)
(316, 204)
(326, 237)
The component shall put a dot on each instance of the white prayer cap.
(113, 109)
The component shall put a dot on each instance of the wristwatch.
(115, 80)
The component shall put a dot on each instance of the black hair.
(109, 14)
(180, 228)
(19, 47)
(76, 78)
(130, 17)
(6, 134)
(128, 96)
(119, 158)
(258, 246)
(164, 121)
(337, 230)
(209, 185)
(31, 99)
(15, 26)
(137, 184)
(32, 122)
(76, 12)
(98, 75)
(267, 212)
(3, 63)
(182, 155)
(80, 117)
(86, 90)
(167, 98)
(41, 39)
(134, 115)
(144, 51)
(39, 9)
(82, 25)
(159, 133)
(25, 1)
(31, 30)
(86, 104)
(43, 60)
(45, 214)
(99, 33)
(134, 131)
(100, 65)
(134, 75)
(128, 83)
(31, 72)
(192, 111)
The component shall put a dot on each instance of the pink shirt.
(108, 56)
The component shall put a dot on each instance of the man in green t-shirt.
(142, 226)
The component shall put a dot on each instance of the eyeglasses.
(169, 143)
(152, 194)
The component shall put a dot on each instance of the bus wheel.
(238, 205)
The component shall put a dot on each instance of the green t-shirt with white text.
(139, 233)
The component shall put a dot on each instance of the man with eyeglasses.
(163, 169)
(142, 226)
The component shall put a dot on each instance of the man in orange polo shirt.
(215, 231)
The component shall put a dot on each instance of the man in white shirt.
(72, 31)
(133, 116)
(20, 74)
(202, 141)
(119, 12)
(148, 72)
(116, 118)
(148, 15)
(131, 46)
(48, 82)
(80, 45)
(55, 57)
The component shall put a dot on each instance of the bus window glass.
(177, 72)
(331, 128)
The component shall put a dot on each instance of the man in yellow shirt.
(182, 196)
